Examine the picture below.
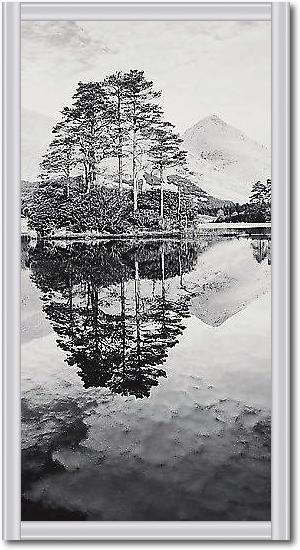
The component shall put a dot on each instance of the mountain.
(223, 161)
(35, 138)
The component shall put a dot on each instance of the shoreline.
(194, 233)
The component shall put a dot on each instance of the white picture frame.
(278, 528)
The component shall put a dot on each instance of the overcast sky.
(202, 67)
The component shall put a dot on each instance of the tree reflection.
(261, 249)
(114, 325)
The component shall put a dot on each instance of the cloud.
(63, 43)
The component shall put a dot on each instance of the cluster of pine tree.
(261, 193)
(260, 201)
(258, 209)
(119, 118)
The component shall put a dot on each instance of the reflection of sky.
(189, 450)
(202, 67)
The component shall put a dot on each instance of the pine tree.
(165, 152)
(46, 209)
(268, 199)
(268, 192)
(59, 159)
(260, 201)
(258, 193)
(117, 111)
(143, 113)
(88, 120)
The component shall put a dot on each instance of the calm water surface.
(146, 379)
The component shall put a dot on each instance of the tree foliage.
(258, 209)
(118, 118)
(260, 201)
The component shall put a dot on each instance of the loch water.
(146, 379)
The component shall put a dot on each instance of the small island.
(117, 169)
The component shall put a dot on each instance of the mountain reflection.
(110, 307)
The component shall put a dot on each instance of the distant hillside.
(224, 161)
(35, 138)
(189, 188)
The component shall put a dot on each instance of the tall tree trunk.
(180, 268)
(92, 156)
(88, 186)
(92, 172)
(120, 145)
(120, 168)
(179, 203)
(186, 222)
(134, 178)
(68, 187)
(162, 198)
(86, 178)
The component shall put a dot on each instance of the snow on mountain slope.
(223, 160)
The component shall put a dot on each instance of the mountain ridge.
(223, 160)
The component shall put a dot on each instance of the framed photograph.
(146, 270)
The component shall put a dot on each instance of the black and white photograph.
(146, 270)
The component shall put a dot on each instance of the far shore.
(234, 225)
